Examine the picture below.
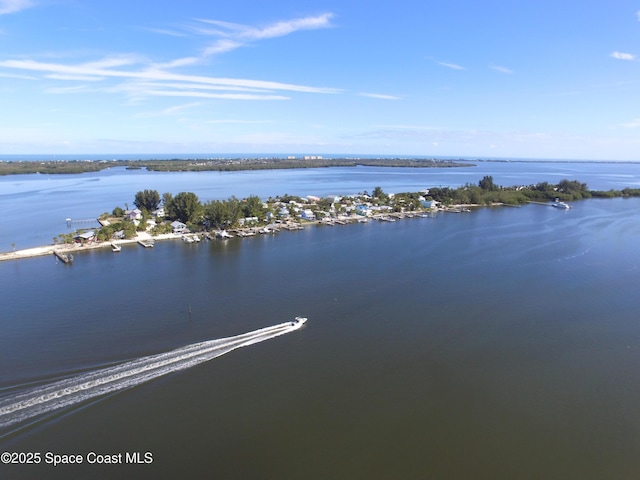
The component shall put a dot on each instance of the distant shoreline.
(17, 167)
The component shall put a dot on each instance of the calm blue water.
(499, 344)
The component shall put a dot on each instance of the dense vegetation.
(486, 193)
(197, 165)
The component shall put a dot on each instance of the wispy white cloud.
(501, 69)
(379, 96)
(139, 77)
(281, 29)
(178, 62)
(232, 36)
(166, 31)
(224, 96)
(146, 73)
(140, 86)
(81, 78)
(622, 56)
(278, 29)
(638, 15)
(112, 61)
(14, 6)
(225, 27)
(453, 66)
(15, 75)
(67, 90)
(222, 46)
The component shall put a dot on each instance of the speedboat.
(558, 204)
(299, 321)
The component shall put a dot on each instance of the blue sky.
(497, 78)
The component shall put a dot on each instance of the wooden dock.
(66, 258)
(146, 243)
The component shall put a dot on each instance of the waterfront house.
(307, 214)
(283, 212)
(135, 214)
(178, 227)
(247, 221)
(380, 209)
(429, 203)
(85, 237)
(363, 210)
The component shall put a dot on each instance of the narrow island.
(185, 217)
(16, 167)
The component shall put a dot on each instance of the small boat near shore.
(190, 238)
(223, 234)
(561, 205)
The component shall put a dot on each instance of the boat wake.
(26, 404)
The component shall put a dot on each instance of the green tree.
(379, 194)
(186, 207)
(161, 228)
(129, 229)
(147, 200)
(573, 190)
(252, 207)
(235, 209)
(167, 202)
(286, 198)
(324, 204)
(487, 184)
(216, 212)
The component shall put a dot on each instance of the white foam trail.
(45, 398)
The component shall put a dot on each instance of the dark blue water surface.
(499, 344)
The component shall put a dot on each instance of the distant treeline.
(198, 165)
(486, 193)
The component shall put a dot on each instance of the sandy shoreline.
(72, 248)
